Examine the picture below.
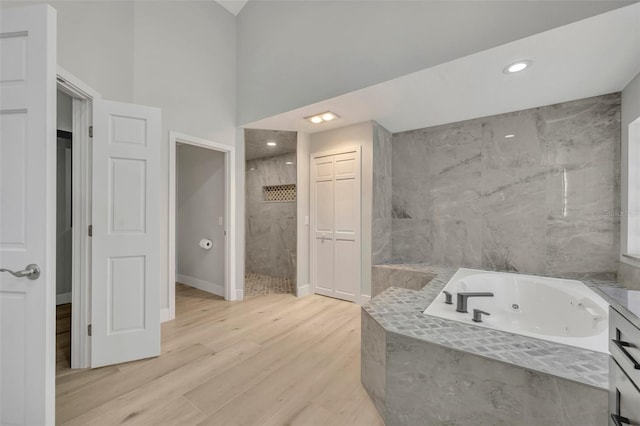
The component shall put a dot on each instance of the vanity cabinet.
(624, 371)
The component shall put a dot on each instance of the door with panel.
(125, 296)
(335, 211)
(27, 215)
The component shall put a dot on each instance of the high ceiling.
(255, 142)
(591, 57)
(233, 6)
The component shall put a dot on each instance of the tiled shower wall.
(381, 235)
(542, 201)
(271, 226)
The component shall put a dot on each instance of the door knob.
(32, 272)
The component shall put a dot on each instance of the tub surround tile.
(400, 311)
(373, 360)
(629, 276)
(383, 277)
(444, 372)
(544, 196)
(382, 194)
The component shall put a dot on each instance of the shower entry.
(270, 183)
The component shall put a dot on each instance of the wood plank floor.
(271, 360)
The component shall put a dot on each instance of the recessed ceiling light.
(289, 162)
(271, 143)
(252, 169)
(322, 117)
(509, 136)
(517, 67)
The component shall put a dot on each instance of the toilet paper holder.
(205, 243)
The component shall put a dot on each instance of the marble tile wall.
(382, 154)
(271, 226)
(464, 194)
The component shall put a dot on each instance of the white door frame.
(312, 246)
(83, 96)
(229, 220)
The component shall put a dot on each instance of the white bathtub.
(557, 310)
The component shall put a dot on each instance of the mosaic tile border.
(400, 310)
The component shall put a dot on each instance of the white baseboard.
(303, 290)
(63, 298)
(216, 289)
(165, 315)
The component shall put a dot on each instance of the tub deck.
(397, 336)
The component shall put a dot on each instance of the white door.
(125, 295)
(27, 214)
(335, 218)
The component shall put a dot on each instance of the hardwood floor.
(271, 360)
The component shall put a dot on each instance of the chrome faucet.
(462, 299)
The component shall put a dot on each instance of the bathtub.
(558, 310)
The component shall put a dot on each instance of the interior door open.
(125, 289)
(27, 215)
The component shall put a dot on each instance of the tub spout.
(463, 297)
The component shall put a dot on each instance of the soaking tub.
(557, 310)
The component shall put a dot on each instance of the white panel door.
(27, 214)
(335, 214)
(125, 297)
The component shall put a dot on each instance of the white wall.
(185, 64)
(95, 43)
(302, 195)
(294, 53)
(630, 111)
(356, 135)
(200, 205)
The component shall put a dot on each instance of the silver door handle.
(32, 272)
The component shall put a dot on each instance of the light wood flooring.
(270, 360)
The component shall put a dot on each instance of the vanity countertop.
(400, 311)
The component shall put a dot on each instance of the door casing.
(229, 152)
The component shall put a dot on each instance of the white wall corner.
(303, 290)
(239, 294)
(165, 315)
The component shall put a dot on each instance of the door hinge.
(89, 330)
(90, 131)
(90, 231)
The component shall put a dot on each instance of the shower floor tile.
(258, 285)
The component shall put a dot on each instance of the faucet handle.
(477, 315)
(448, 297)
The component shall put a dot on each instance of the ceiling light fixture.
(322, 117)
(271, 143)
(517, 66)
(509, 136)
(289, 162)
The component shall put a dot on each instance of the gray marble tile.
(270, 226)
(586, 131)
(373, 360)
(383, 277)
(629, 276)
(544, 196)
(512, 140)
(513, 214)
(410, 239)
(381, 240)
